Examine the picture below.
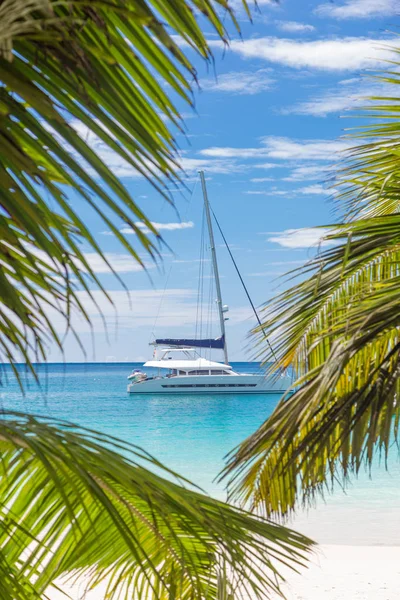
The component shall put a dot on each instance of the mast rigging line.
(215, 265)
(200, 284)
(243, 284)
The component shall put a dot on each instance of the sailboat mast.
(215, 265)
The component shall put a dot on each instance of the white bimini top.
(198, 363)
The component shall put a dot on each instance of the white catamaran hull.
(192, 373)
(209, 384)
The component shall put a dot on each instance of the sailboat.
(180, 367)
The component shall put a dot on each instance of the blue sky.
(266, 132)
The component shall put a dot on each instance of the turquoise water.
(192, 434)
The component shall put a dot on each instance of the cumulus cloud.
(358, 9)
(190, 165)
(121, 263)
(140, 308)
(309, 190)
(268, 165)
(282, 148)
(299, 238)
(348, 95)
(313, 189)
(241, 83)
(261, 179)
(294, 26)
(268, 192)
(306, 173)
(122, 168)
(119, 166)
(227, 152)
(336, 54)
(159, 227)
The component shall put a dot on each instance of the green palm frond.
(340, 330)
(368, 184)
(74, 71)
(80, 503)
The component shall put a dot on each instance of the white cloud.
(139, 308)
(282, 148)
(180, 41)
(306, 173)
(290, 149)
(299, 238)
(336, 54)
(242, 83)
(121, 263)
(190, 165)
(312, 189)
(130, 310)
(294, 26)
(349, 95)
(261, 179)
(121, 168)
(222, 152)
(268, 193)
(359, 9)
(268, 166)
(192, 260)
(308, 190)
(158, 226)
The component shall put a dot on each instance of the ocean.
(192, 434)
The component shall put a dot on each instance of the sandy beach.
(348, 572)
(335, 573)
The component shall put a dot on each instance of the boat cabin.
(190, 364)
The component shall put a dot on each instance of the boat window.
(182, 372)
(218, 372)
(198, 372)
(212, 385)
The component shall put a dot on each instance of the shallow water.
(192, 434)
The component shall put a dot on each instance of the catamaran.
(180, 367)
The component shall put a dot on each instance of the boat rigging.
(192, 372)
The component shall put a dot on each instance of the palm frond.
(340, 329)
(82, 504)
(76, 76)
(368, 183)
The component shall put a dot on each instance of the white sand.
(336, 573)
(348, 573)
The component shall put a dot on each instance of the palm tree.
(339, 327)
(74, 501)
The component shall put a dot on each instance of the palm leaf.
(79, 503)
(72, 71)
(70, 503)
(340, 329)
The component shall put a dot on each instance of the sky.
(267, 130)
